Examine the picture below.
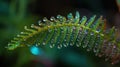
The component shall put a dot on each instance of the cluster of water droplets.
(107, 49)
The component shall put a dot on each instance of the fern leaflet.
(62, 31)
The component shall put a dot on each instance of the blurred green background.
(15, 14)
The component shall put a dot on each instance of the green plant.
(71, 31)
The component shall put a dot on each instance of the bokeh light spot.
(35, 50)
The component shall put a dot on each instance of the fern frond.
(62, 31)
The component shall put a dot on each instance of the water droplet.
(85, 32)
(71, 44)
(18, 35)
(97, 31)
(67, 34)
(77, 40)
(83, 20)
(58, 42)
(51, 46)
(77, 15)
(38, 43)
(78, 24)
(70, 16)
(62, 31)
(77, 45)
(44, 43)
(24, 39)
(65, 40)
(106, 59)
(88, 49)
(96, 54)
(45, 19)
(67, 44)
(59, 46)
(28, 45)
(9, 45)
(91, 33)
(85, 45)
(61, 28)
(55, 29)
(86, 23)
(100, 55)
(80, 32)
(98, 37)
(15, 38)
(40, 23)
(52, 18)
(95, 49)
(59, 16)
(71, 39)
(49, 30)
(64, 45)
(25, 27)
(74, 28)
(52, 40)
(32, 25)
(80, 44)
(22, 32)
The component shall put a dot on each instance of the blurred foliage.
(15, 14)
(12, 19)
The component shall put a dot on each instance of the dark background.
(15, 14)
